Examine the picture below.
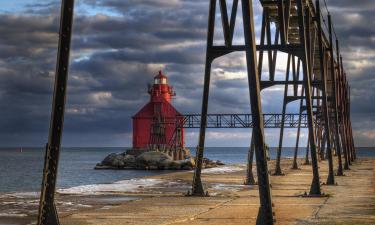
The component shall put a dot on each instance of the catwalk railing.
(243, 121)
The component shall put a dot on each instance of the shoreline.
(22, 207)
(225, 184)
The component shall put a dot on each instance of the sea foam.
(133, 185)
(222, 169)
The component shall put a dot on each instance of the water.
(22, 171)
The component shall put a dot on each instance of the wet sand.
(352, 201)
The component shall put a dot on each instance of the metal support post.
(304, 29)
(250, 158)
(278, 171)
(327, 127)
(295, 165)
(265, 215)
(47, 209)
(197, 188)
(337, 138)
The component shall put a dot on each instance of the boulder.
(153, 160)
(189, 164)
(187, 167)
(115, 160)
(219, 163)
(176, 165)
(153, 156)
(129, 160)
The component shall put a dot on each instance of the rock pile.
(152, 160)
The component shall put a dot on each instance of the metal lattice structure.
(213, 52)
(291, 120)
(245, 121)
(314, 71)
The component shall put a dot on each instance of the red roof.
(167, 110)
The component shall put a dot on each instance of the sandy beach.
(160, 199)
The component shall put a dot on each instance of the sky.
(119, 46)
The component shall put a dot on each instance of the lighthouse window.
(161, 81)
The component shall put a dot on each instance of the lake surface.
(22, 171)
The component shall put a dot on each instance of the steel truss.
(314, 76)
(243, 121)
(235, 121)
(265, 215)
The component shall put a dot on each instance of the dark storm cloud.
(355, 27)
(148, 32)
(164, 56)
(363, 5)
(27, 53)
(113, 59)
(125, 6)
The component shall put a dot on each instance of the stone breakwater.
(151, 160)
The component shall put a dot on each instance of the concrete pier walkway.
(352, 201)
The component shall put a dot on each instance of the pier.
(235, 203)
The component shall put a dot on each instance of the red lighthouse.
(155, 125)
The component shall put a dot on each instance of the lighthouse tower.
(155, 125)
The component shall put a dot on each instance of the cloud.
(355, 28)
(114, 56)
(118, 46)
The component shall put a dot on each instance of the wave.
(132, 185)
(223, 169)
(21, 195)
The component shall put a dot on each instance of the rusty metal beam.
(278, 171)
(250, 158)
(197, 189)
(336, 130)
(265, 214)
(304, 29)
(295, 165)
(47, 209)
(327, 126)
